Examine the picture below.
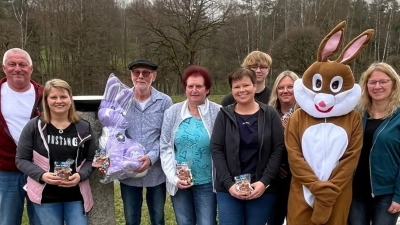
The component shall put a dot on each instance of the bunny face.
(328, 77)
(113, 108)
(327, 94)
(327, 88)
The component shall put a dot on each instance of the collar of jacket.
(387, 119)
(203, 109)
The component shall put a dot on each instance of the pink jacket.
(34, 160)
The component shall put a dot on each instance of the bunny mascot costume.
(324, 137)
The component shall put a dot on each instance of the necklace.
(60, 131)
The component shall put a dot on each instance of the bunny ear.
(110, 89)
(109, 96)
(111, 92)
(355, 47)
(331, 43)
(124, 97)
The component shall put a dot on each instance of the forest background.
(83, 41)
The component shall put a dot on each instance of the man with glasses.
(260, 63)
(145, 117)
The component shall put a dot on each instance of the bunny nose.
(322, 104)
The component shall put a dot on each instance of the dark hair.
(239, 74)
(194, 70)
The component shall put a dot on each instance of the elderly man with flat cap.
(145, 117)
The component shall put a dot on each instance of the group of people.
(219, 144)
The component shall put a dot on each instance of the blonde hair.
(257, 58)
(273, 101)
(364, 105)
(61, 85)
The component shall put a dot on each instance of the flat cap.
(142, 62)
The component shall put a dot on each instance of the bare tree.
(21, 14)
(180, 29)
(297, 50)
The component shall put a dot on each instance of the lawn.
(119, 211)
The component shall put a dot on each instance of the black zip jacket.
(225, 142)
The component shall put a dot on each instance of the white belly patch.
(323, 145)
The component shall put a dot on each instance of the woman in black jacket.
(247, 139)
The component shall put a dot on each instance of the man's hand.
(146, 163)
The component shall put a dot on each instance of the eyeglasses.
(262, 68)
(282, 88)
(382, 83)
(145, 73)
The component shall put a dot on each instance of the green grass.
(119, 211)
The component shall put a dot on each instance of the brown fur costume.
(324, 136)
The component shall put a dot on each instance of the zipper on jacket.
(261, 137)
(325, 150)
(79, 146)
(373, 144)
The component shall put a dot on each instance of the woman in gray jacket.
(56, 152)
(185, 140)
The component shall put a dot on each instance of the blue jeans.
(132, 198)
(195, 205)
(279, 211)
(363, 211)
(233, 211)
(56, 213)
(12, 197)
